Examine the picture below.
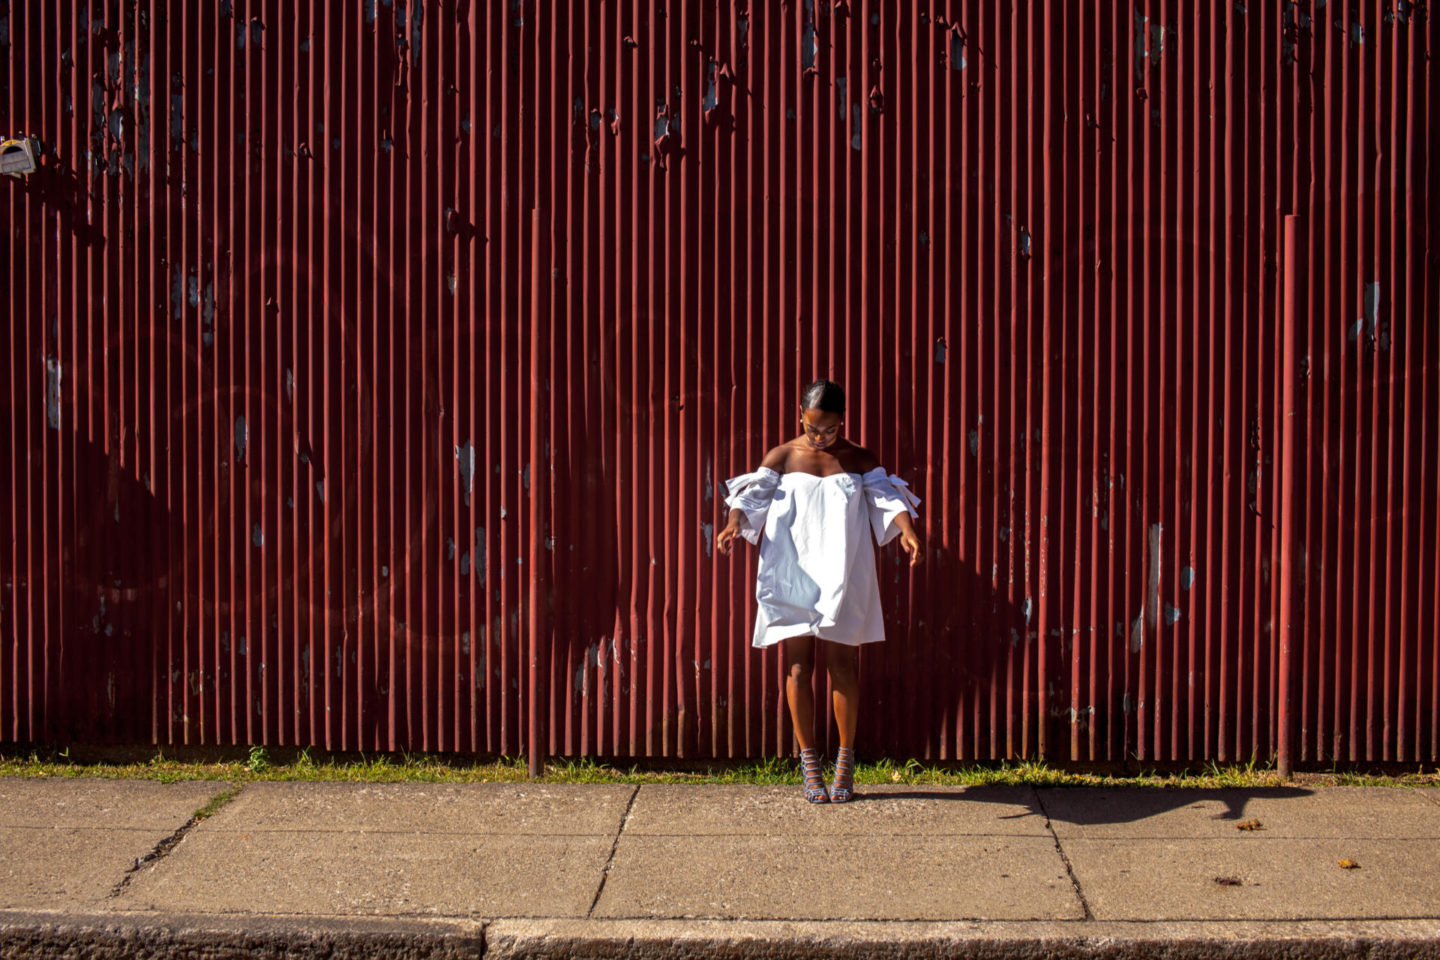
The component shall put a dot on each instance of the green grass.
(216, 802)
(260, 765)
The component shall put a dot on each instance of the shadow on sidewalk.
(1109, 804)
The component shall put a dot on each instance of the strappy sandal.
(814, 776)
(843, 789)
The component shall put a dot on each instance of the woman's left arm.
(909, 537)
(891, 506)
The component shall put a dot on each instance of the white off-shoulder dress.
(817, 563)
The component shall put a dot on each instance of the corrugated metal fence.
(307, 409)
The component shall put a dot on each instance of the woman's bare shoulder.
(776, 458)
(863, 460)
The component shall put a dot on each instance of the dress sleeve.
(752, 493)
(887, 497)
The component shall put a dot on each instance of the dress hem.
(786, 634)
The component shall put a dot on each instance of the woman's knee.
(799, 657)
(842, 661)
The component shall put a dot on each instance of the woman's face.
(821, 427)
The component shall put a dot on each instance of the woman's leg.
(799, 666)
(843, 662)
(799, 669)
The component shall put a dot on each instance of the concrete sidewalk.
(116, 868)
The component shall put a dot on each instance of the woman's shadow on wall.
(958, 679)
(955, 679)
(962, 683)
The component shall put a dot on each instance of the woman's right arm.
(724, 540)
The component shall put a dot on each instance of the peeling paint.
(711, 98)
(1149, 606)
(257, 536)
(1149, 43)
(1370, 304)
(856, 142)
(707, 537)
(940, 348)
(840, 96)
(54, 376)
(1187, 578)
(417, 20)
(1172, 614)
(957, 51)
(974, 437)
(465, 456)
(242, 437)
(809, 44)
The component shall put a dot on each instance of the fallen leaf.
(895, 776)
(1229, 881)
(1349, 864)
(1250, 825)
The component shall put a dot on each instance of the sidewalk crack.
(605, 873)
(1069, 870)
(169, 843)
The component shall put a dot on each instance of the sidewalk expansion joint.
(1069, 870)
(605, 873)
(169, 843)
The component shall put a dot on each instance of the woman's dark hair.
(826, 395)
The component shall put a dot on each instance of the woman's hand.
(726, 537)
(910, 541)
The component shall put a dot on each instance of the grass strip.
(425, 768)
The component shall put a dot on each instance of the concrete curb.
(774, 940)
(213, 937)
(42, 936)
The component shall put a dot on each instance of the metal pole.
(1286, 580)
(539, 499)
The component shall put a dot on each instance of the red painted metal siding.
(307, 409)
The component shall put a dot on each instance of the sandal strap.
(814, 773)
(810, 764)
(844, 772)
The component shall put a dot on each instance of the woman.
(811, 506)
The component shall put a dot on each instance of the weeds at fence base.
(257, 763)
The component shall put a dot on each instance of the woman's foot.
(814, 776)
(843, 789)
